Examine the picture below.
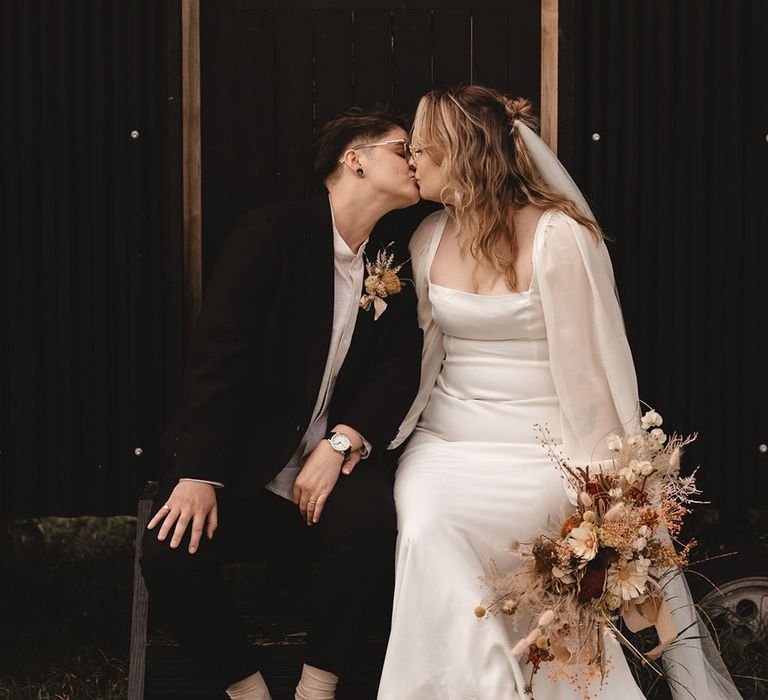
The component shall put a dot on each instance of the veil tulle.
(693, 665)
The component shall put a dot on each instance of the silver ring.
(311, 503)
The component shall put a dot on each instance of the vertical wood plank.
(567, 121)
(333, 63)
(193, 280)
(372, 37)
(294, 102)
(549, 37)
(451, 39)
(490, 48)
(252, 112)
(525, 50)
(411, 34)
(218, 65)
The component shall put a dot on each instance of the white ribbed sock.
(251, 688)
(316, 684)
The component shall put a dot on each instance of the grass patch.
(65, 606)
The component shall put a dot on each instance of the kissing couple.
(323, 351)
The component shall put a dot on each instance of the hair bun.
(520, 108)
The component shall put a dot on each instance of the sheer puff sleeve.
(422, 250)
(589, 356)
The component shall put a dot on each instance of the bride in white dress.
(522, 326)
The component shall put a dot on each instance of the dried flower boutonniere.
(382, 281)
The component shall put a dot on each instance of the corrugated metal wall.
(89, 256)
(664, 122)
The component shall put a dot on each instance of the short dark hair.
(353, 126)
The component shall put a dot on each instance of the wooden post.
(549, 37)
(190, 86)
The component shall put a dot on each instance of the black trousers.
(352, 547)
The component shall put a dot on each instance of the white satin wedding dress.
(474, 477)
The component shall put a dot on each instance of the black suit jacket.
(260, 347)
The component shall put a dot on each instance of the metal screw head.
(138, 452)
(135, 134)
(595, 136)
(763, 448)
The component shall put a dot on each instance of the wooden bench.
(159, 668)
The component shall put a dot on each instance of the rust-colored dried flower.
(537, 656)
(572, 522)
(635, 495)
(391, 282)
(650, 518)
(544, 556)
(592, 583)
(597, 492)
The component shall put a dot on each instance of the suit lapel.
(320, 297)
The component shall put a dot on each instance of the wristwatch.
(340, 443)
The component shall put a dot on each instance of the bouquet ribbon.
(652, 611)
(379, 305)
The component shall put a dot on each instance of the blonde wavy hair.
(489, 176)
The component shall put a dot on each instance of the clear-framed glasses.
(406, 146)
(415, 152)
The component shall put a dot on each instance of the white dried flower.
(585, 499)
(614, 512)
(658, 436)
(533, 635)
(520, 647)
(640, 543)
(644, 467)
(583, 541)
(634, 440)
(509, 607)
(563, 575)
(589, 516)
(629, 473)
(687, 481)
(546, 618)
(614, 443)
(615, 492)
(627, 580)
(651, 419)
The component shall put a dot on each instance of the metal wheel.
(738, 615)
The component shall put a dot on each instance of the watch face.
(340, 442)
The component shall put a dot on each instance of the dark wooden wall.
(676, 94)
(90, 245)
(273, 72)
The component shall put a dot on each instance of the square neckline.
(437, 236)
